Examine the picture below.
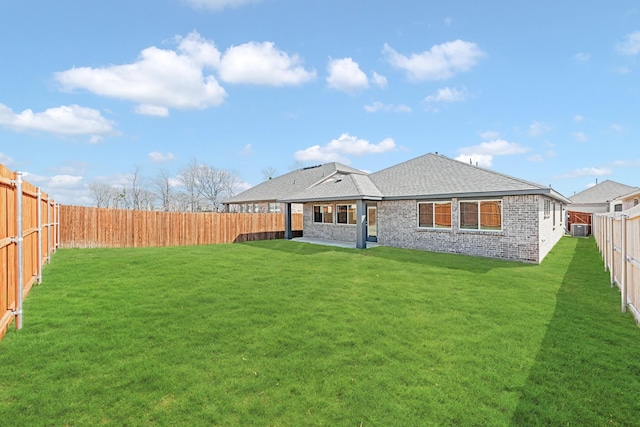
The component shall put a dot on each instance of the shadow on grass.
(478, 265)
(587, 371)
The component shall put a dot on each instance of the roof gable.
(602, 192)
(291, 183)
(339, 187)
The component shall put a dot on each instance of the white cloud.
(581, 57)
(5, 159)
(262, 64)
(447, 94)
(578, 173)
(63, 120)
(158, 80)
(346, 76)
(484, 153)
(580, 136)
(346, 144)
(618, 128)
(536, 158)
(489, 135)
(631, 163)
(578, 118)
(160, 157)
(441, 62)
(538, 128)
(247, 150)
(152, 110)
(379, 106)
(448, 21)
(379, 80)
(218, 4)
(631, 45)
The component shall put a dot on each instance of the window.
(323, 213)
(618, 207)
(554, 214)
(274, 207)
(547, 208)
(434, 214)
(346, 214)
(635, 202)
(481, 215)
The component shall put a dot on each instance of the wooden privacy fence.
(618, 238)
(87, 227)
(28, 238)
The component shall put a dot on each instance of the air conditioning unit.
(579, 230)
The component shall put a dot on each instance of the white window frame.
(547, 208)
(350, 207)
(331, 210)
(274, 207)
(433, 213)
(479, 201)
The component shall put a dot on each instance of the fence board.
(37, 238)
(624, 270)
(87, 227)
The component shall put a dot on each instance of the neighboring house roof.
(291, 183)
(602, 193)
(634, 193)
(428, 176)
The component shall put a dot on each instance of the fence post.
(623, 262)
(39, 231)
(19, 241)
(56, 208)
(49, 229)
(612, 265)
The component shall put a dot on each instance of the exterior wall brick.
(526, 234)
(339, 232)
(518, 240)
(552, 228)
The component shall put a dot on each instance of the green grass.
(284, 333)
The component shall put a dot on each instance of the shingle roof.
(291, 183)
(427, 176)
(345, 187)
(435, 175)
(602, 193)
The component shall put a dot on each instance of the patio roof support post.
(361, 224)
(288, 232)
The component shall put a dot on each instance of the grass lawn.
(285, 333)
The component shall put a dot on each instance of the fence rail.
(618, 238)
(28, 237)
(87, 227)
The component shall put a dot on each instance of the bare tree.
(188, 177)
(103, 194)
(161, 183)
(136, 190)
(296, 165)
(269, 173)
(211, 185)
(233, 182)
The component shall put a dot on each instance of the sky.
(91, 91)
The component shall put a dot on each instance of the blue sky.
(546, 91)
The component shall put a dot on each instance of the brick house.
(437, 204)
